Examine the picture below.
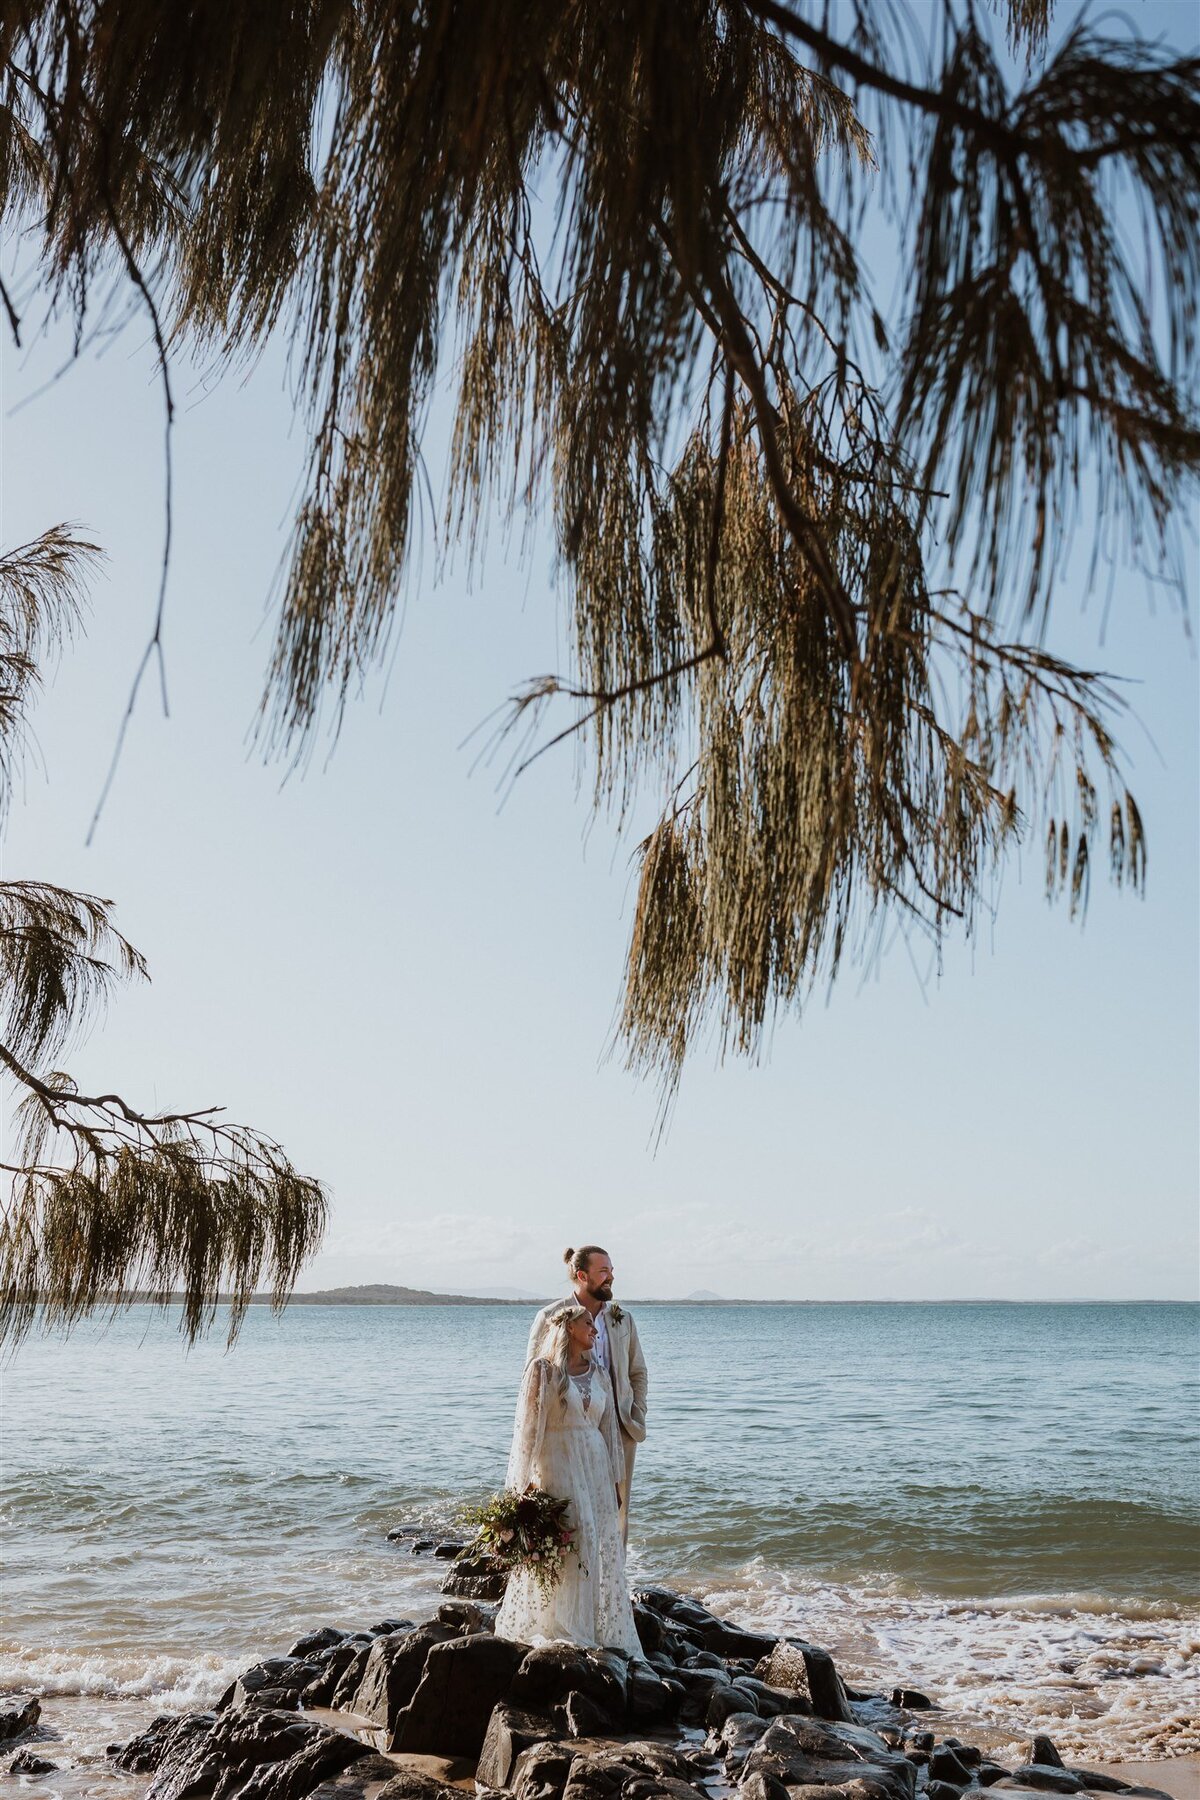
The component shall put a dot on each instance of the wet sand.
(1179, 1776)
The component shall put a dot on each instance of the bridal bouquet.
(524, 1531)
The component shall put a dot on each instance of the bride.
(567, 1442)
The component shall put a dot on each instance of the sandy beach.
(1179, 1777)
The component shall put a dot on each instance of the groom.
(616, 1349)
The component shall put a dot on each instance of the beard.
(602, 1293)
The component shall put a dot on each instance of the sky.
(407, 973)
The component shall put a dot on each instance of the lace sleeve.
(610, 1429)
(528, 1428)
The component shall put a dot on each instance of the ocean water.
(996, 1503)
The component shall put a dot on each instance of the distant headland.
(383, 1293)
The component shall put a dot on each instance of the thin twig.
(14, 319)
(155, 646)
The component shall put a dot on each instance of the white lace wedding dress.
(572, 1449)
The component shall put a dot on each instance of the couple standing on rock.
(580, 1418)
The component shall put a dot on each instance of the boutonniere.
(615, 1314)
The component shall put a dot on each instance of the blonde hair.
(554, 1346)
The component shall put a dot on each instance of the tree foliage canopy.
(809, 551)
(107, 1202)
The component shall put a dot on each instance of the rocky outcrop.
(809, 1672)
(462, 1681)
(19, 1713)
(475, 1578)
(803, 1752)
(710, 1709)
(548, 1675)
(510, 1733)
(28, 1762)
(363, 1780)
(392, 1671)
(326, 1754)
(276, 1683)
(246, 1750)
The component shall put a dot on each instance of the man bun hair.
(578, 1260)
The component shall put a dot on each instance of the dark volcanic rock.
(946, 1765)
(552, 1671)
(276, 1682)
(142, 1754)
(650, 1628)
(466, 1616)
(270, 1699)
(860, 1741)
(658, 1599)
(689, 1620)
(541, 1771)
(447, 1552)
(475, 1578)
(825, 1688)
(548, 1723)
(648, 1787)
(366, 1774)
(731, 1640)
(295, 1777)
(334, 1663)
(738, 1730)
(771, 1701)
(691, 1615)
(648, 1698)
(803, 1752)
(19, 1713)
(724, 1701)
(393, 1670)
(220, 1759)
(323, 1639)
(737, 1737)
(463, 1680)
(1043, 1754)
(807, 1670)
(603, 1774)
(763, 1786)
(989, 1773)
(351, 1676)
(413, 1784)
(510, 1733)
(27, 1762)
(578, 1716)
(1048, 1778)
(699, 1686)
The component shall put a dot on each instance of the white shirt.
(600, 1349)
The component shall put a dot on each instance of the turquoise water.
(1000, 1499)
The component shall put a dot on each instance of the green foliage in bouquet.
(524, 1531)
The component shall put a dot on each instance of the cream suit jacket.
(628, 1370)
